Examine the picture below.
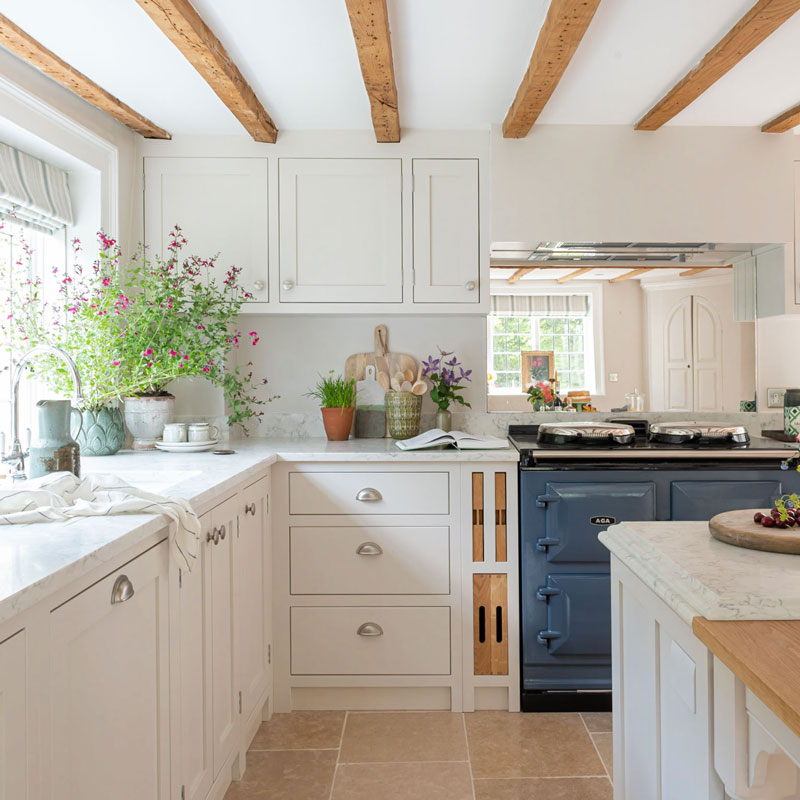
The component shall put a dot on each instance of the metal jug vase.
(55, 450)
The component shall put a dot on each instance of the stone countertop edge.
(41, 559)
(684, 592)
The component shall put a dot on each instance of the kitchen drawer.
(370, 560)
(369, 493)
(405, 641)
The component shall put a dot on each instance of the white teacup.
(174, 432)
(202, 432)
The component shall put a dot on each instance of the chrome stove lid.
(585, 433)
(697, 433)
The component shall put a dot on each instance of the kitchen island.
(704, 633)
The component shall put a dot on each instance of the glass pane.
(578, 380)
(501, 344)
(576, 344)
(562, 361)
(513, 344)
(502, 380)
(545, 325)
(545, 342)
(513, 361)
(576, 325)
(499, 362)
(499, 324)
(576, 361)
(514, 380)
(524, 324)
(560, 344)
(513, 325)
(525, 343)
(559, 325)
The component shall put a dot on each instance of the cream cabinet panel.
(341, 230)
(225, 700)
(446, 231)
(370, 641)
(252, 553)
(370, 560)
(195, 754)
(369, 493)
(109, 687)
(14, 718)
(221, 206)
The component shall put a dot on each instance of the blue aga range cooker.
(576, 479)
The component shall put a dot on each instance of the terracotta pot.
(337, 422)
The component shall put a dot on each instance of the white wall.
(611, 183)
(778, 351)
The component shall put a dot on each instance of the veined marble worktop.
(696, 575)
(37, 560)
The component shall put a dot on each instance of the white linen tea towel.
(62, 496)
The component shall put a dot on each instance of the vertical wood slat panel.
(500, 517)
(477, 517)
(490, 623)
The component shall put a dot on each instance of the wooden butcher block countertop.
(764, 655)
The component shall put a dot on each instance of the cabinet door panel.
(14, 718)
(341, 230)
(220, 205)
(252, 554)
(109, 688)
(446, 231)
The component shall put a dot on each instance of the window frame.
(594, 363)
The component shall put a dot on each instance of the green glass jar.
(403, 411)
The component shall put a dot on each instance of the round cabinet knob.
(222, 532)
(369, 495)
(259, 286)
(370, 629)
(470, 286)
(250, 508)
(213, 536)
(287, 285)
(369, 549)
(122, 590)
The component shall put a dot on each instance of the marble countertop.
(696, 575)
(37, 560)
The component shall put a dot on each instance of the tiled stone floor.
(428, 755)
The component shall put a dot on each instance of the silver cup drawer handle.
(369, 495)
(122, 590)
(369, 549)
(370, 629)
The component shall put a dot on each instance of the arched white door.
(706, 355)
(678, 377)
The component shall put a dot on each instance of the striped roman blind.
(32, 192)
(540, 305)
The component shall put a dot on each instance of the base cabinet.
(14, 718)
(108, 680)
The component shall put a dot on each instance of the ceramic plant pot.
(99, 432)
(444, 419)
(403, 414)
(54, 449)
(337, 422)
(146, 416)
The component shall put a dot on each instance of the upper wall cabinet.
(221, 205)
(341, 230)
(446, 231)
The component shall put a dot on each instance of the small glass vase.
(444, 419)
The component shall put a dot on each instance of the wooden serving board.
(737, 528)
(383, 360)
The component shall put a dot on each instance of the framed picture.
(537, 366)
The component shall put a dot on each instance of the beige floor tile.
(301, 730)
(286, 775)
(604, 746)
(403, 736)
(504, 745)
(409, 781)
(543, 789)
(597, 721)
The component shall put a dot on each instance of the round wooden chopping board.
(738, 528)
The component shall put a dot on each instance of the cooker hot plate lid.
(585, 433)
(691, 432)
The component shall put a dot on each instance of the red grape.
(768, 522)
(758, 516)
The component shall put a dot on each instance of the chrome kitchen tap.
(16, 457)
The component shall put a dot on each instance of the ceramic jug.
(54, 450)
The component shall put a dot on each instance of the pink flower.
(201, 327)
(173, 353)
(205, 369)
(148, 352)
(115, 363)
(106, 281)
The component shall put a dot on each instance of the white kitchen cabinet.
(341, 230)
(14, 718)
(225, 697)
(193, 749)
(446, 231)
(221, 206)
(253, 569)
(109, 686)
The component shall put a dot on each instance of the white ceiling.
(458, 62)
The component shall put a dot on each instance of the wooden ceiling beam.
(783, 122)
(184, 27)
(521, 273)
(369, 20)
(576, 274)
(763, 19)
(687, 273)
(635, 273)
(561, 33)
(26, 47)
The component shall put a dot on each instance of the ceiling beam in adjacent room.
(576, 274)
(521, 273)
(635, 273)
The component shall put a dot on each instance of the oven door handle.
(544, 637)
(546, 592)
(545, 542)
(543, 500)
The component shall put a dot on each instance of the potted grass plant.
(337, 398)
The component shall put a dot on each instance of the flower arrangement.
(540, 395)
(134, 329)
(446, 382)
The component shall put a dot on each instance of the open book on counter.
(459, 439)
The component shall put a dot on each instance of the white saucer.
(186, 447)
